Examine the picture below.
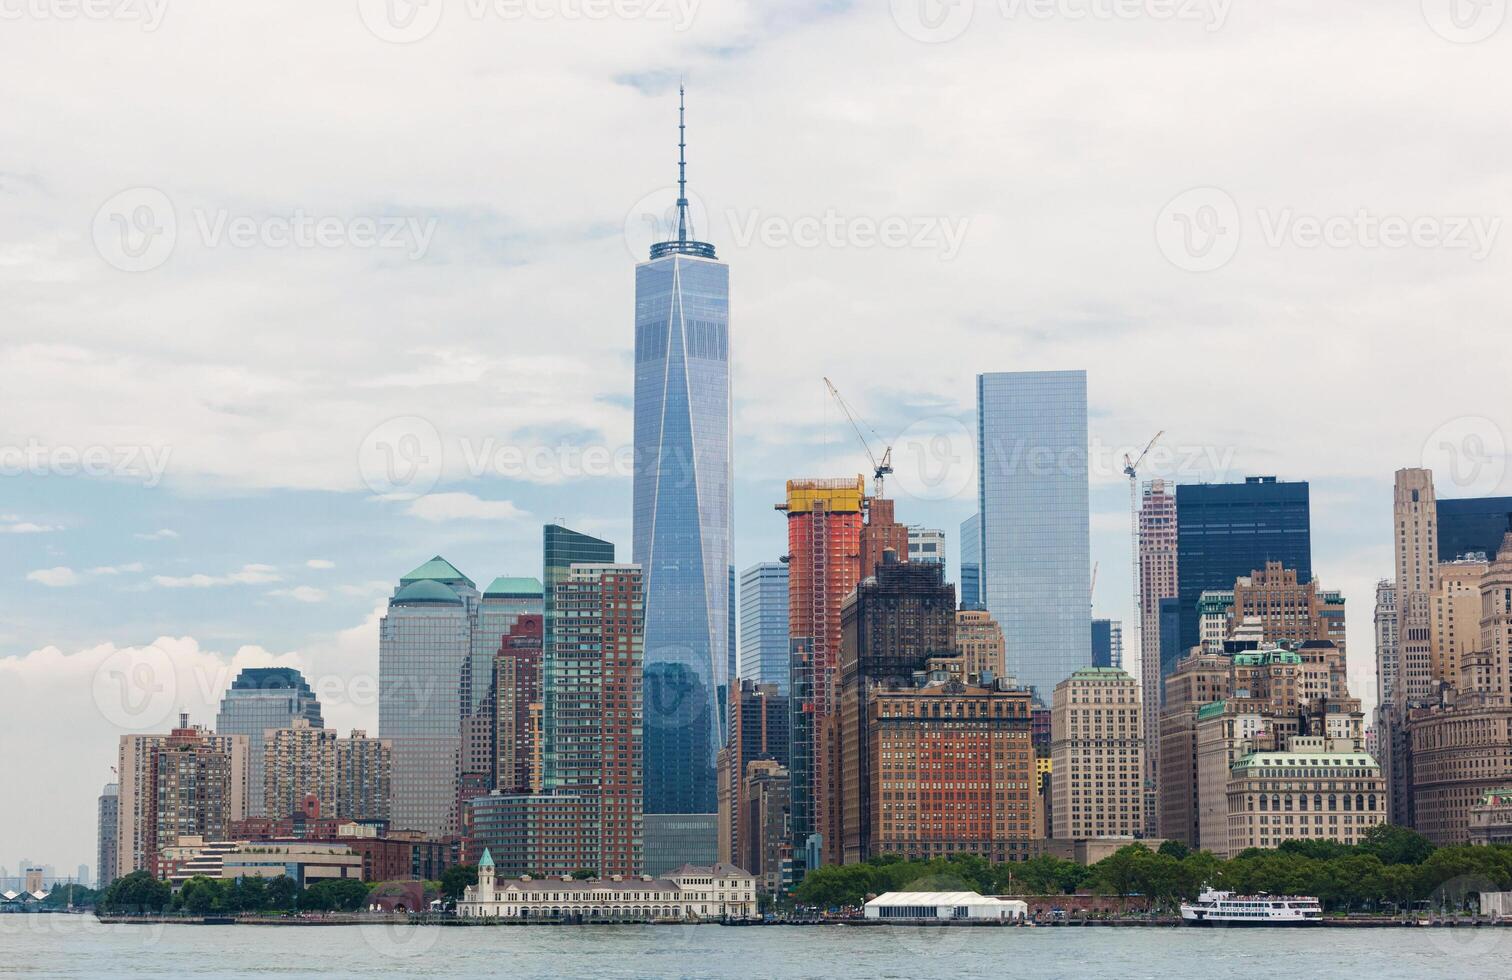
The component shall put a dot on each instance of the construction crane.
(1131, 470)
(880, 468)
(1092, 592)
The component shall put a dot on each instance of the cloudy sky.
(296, 295)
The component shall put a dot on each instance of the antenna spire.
(681, 243)
(682, 166)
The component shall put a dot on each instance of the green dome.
(425, 592)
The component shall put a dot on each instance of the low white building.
(691, 893)
(933, 906)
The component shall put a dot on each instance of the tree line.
(140, 893)
(1390, 869)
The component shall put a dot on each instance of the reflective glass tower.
(259, 699)
(1036, 539)
(682, 507)
(764, 625)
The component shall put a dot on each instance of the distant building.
(1107, 643)
(109, 817)
(881, 533)
(561, 549)
(766, 846)
(1198, 680)
(945, 906)
(971, 562)
(261, 698)
(674, 837)
(764, 625)
(1097, 753)
(980, 642)
(759, 719)
(1032, 497)
(926, 544)
(1157, 582)
(1491, 818)
(1470, 526)
(350, 778)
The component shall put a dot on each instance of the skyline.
(209, 380)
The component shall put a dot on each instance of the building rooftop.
(504, 586)
(425, 592)
(1304, 759)
(438, 569)
(905, 899)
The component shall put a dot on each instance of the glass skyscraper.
(1225, 530)
(971, 562)
(1470, 525)
(1032, 503)
(424, 643)
(681, 514)
(764, 625)
(259, 699)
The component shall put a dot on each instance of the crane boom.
(880, 468)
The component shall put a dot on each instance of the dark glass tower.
(259, 699)
(682, 507)
(1472, 524)
(1225, 530)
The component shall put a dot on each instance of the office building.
(1227, 530)
(926, 544)
(764, 625)
(1107, 643)
(424, 643)
(106, 826)
(1097, 756)
(681, 508)
(1032, 497)
(1310, 788)
(824, 525)
(1283, 607)
(946, 767)
(261, 698)
(880, 534)
(561, 548)
(892, 625)
(980, 642)
(1198, 680)
(1470, 526)
(1454, 610)
(759, 727)
(761, 827)
(517, 685)
(671, 837)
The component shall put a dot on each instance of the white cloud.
(463, 507)
(246, 575)
(135, 566)
(366, 589)
(320, 563)
(300, 593)
(57, 578)
(12, 524)
(158, 535)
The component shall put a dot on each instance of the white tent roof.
(938, 898)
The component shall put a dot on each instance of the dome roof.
(425, 592)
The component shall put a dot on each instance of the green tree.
(1395, 845)
(1175, 849)
(283, 893)
(1116, 873)
(456, 878)
(584, 874)
(136, 893)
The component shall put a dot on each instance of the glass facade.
(764, 625)
(424, 643)
(1035, 535)
(259, 699)
(1226, 530)
(681, 517)
(971, 562)
(673, 840)
(1472, 524)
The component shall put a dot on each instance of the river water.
(78, 946)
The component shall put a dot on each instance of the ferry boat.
(1214, 908)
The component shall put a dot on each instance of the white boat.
(1215, 908)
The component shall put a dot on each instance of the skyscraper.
(926, 544)
(764, 625)
(1226, 530)
(1472, 525)
(109, 815)
(824, 564)
(1097, 772)
(259, 699)
(1036, 539)
(1157, 581)
(682, 506)
(1107, 643)
(424, 643)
